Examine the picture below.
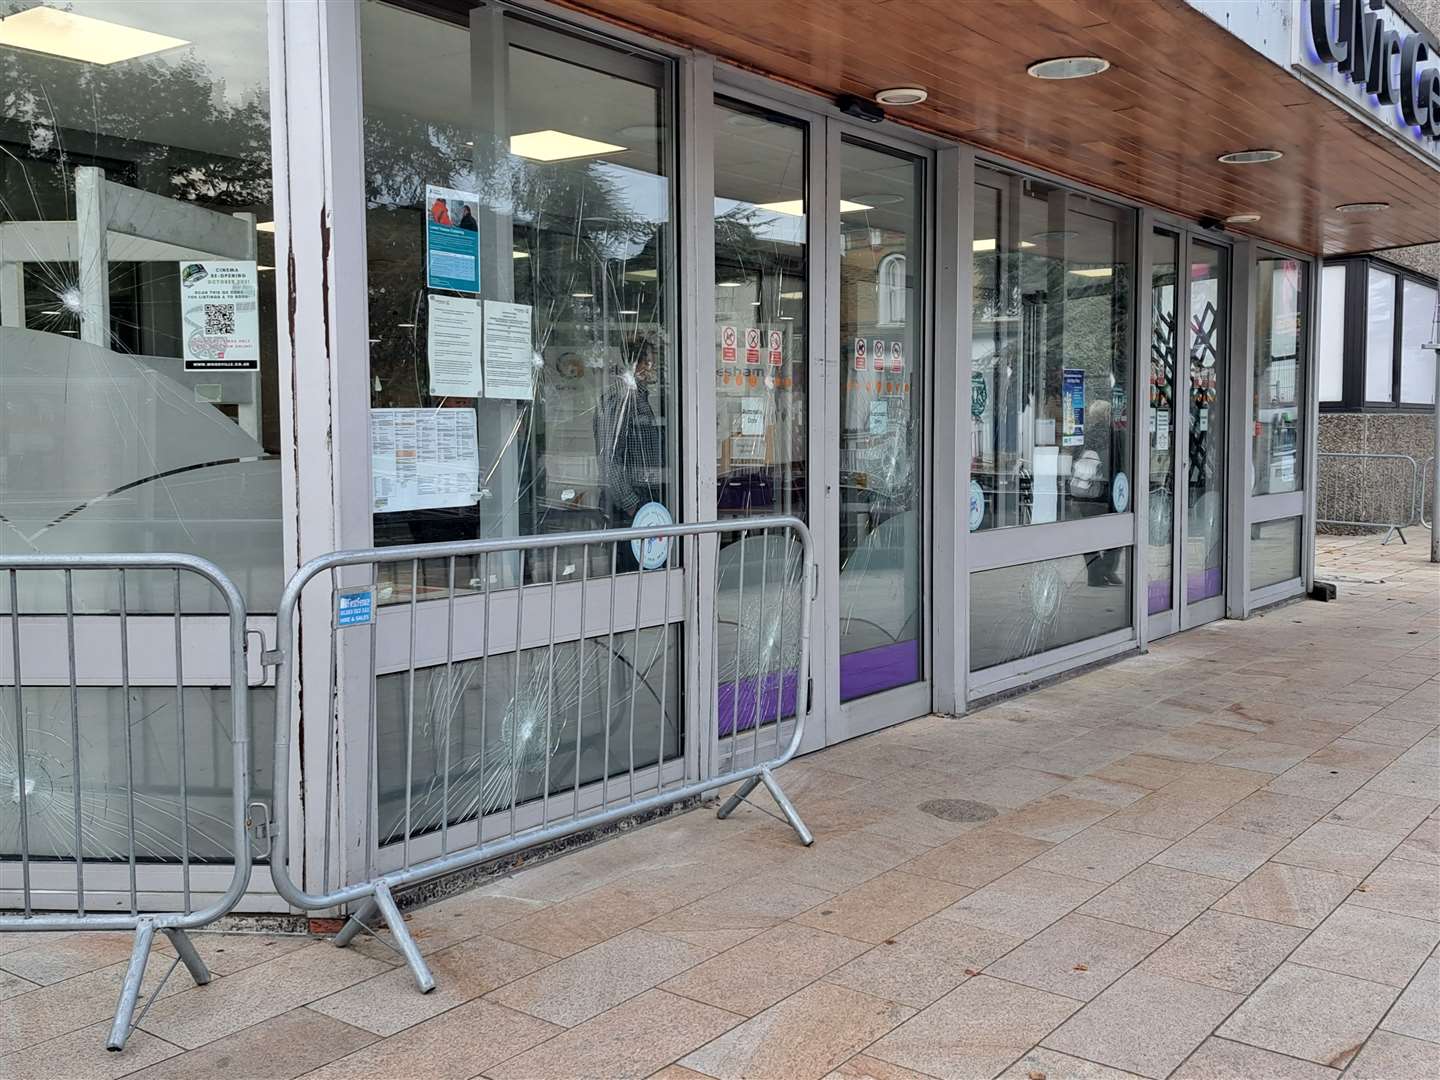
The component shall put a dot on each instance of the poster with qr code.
(220, 316)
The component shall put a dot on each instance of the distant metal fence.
(1376, 491)
(72, 816)
(1427, 492)
(515, 691)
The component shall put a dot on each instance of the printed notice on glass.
(509, 358)
(1161, 420)
(1072, 417)
(452, 240)
(220, 316)
(452, 339)
(422, 459)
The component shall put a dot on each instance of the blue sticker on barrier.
(355, 608)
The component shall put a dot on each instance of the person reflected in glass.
(628, 442)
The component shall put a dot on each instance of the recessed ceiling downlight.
(1250, 157)
(1242, 219)
(901, 95)
(1068, 67)
(1362, 207)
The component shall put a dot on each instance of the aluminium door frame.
(827, 125)
(863, 715)
(1181, 614)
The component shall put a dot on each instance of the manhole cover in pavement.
(958, 810)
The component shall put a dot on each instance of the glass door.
(878, 289)
(1166, 335)
(763, 219)
(1203, 460)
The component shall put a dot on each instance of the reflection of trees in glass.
(61, 114)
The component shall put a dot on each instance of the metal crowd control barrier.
(1427, 474)
(503, 749)
(119, 823)
(1377, 491)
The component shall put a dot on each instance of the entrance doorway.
(1189, 358)
(821, 316)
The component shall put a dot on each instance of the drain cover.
(958, 810)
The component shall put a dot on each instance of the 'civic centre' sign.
(1384, 67)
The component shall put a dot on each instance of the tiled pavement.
(1218, 860)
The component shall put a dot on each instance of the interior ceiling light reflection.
(80, 37)
(552, 145)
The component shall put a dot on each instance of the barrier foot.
(403, 941)
(786, 807)
(733, 803)
(185, 949)
(130, 988)
(358, 920)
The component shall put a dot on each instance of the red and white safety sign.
(752, 345)
(777, 356)
(879, 354)
(897, 356)
(727, 344)
(860, 347)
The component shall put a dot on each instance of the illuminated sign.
(1383, 67)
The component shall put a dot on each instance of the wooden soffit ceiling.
(1181, 91)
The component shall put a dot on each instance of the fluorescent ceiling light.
(520, 254)
(262, 269)
(798, 295)
(583, 295)
(730, 284)
(1094, 271)
(406, 325)
(552, 145)
(628, 311)
(642, 275)
(796, 207)
(265, 226)
(989, 244)
(80, 37)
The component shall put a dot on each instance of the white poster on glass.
(509, 354)
(423, 459)
(452, 339)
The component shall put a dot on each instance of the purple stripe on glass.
(1159, 596)
(740, 702)
(1203, 585)
(881, 668)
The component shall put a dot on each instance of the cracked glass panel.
(168, 827)
(882, 289)
(489, 734)
(138, 396)
(761, 401)
(524, 382)
(1035, 607)
(1054, 273)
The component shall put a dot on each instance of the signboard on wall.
(1365, 54)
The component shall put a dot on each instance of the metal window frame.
(1352, 356)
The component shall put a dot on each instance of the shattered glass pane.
(493, 732)
(1031, 608)
(114, 176)
(881, 269)
(573, 221)
(165, 823)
